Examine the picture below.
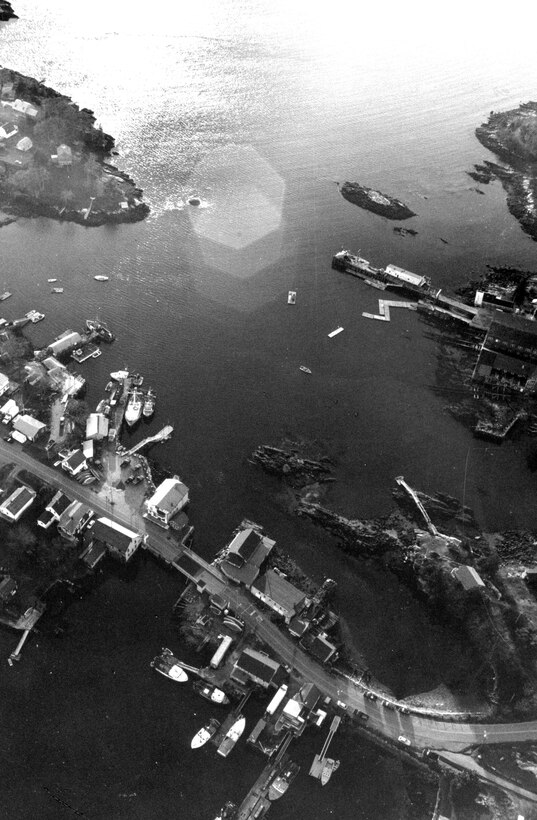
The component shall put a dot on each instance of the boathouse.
(254, 667)
(66, 341)
(245, 554)
(298, 709)
(278, 594)
(96, 427)
(120, 541)
(17, 503)
(169, 497)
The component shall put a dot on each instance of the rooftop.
(112, 534)
(168, 495)
(279, 590)
(257, 665)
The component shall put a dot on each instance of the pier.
(320, 760)
(384, 309)
(256, 803)
(162, 435)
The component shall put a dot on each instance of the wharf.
(89, 351)
(256, 803)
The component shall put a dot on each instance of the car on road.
(370, 695)
(388, 704)
(403, 739)
(404, 709)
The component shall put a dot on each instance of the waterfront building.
(28, 426)
(319, 646)
(13, 507)
(298, 709)
(278, 594)
(96, 427)
(245, 554)
(255, 667)
(4, 383)
(223, 647)
(119, 540)
(74, 520)
(54, 509)
(468, 577)
(75, 463)
(299, 626)
(66, 341)
(169, 497)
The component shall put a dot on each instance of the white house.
(17, 503)
(28, 426)
(169, 497)
(4, 384)
(75, 463)
(119, 540)
(96, 426)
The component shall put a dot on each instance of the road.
(421, 730)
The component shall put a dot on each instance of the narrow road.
(422, 731)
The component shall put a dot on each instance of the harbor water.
(257, 109)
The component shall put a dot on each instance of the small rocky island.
(54, 159)
(6, 11)
(375, 201)
(512, 136)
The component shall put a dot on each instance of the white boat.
(34, 316)
(165, 663)
(52, 280)
(291, 297)
(330, 766)
(119, 375)
(134, 407)
(205, 734)
(101, 278)
(304, 368)
(335, 332)
(57, 290)
(232, 736)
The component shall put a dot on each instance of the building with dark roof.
(74, 520)
(245, 554)
(255, 667)
(8, 588)
(119, 540)
(319, 646)
(13, 507)
(54, 509)
(277, 593)
(75, 463)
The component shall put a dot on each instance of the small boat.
(119, 375)
(134, 407)
(210, 692)
(34, 316)
(57, 290)
(52, 280)
(166, 663)
(330, 766)
(227, 812)
(149, 403)
(100, 329)
(205, 734)
(233, 734)
(291, 297)
(109, 387)
(304, 368)
(335, 332)
(101, 278)
(5, 295)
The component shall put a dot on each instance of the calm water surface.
(258, 108)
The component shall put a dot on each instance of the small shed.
(24, 144)
(468, 577)
(64, 155)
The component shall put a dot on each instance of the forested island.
(54, 159)
(6, 11)
(512, 136)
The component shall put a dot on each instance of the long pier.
(162, 435)
(256, 803)
(319, 760)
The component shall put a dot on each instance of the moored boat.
(232, 735)
(330, 766)
(101, 278)
(291, 297)
(167, 664)
(100, 329)
(210, 692)
(304, 368)
(281, 783)
(149, 403)
(205, 734)
(227, 812)
(134, 407)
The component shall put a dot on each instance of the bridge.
(162, 435)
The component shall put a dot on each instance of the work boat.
(166, 663)
(210, 692)
(149, 403)
(205, 734)
(134, 407)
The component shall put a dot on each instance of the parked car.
(363, 716)
(370, 695)
(388, 704)
(403, 739)
(404, 709)
(341, 704)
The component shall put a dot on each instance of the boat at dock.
(101, 278)
(205, 734)
(34, 316)
(149, 403)
(94, 326)
(211, 693)
(330, 766)
(227, 812)
(167, 664)
(232, 735)
(134, 407)
(281, 783)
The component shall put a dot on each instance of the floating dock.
(322, 766)
(384, 309)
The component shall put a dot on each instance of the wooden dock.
(384, 309)
(256, 803)
(320, 760)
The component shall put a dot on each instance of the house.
(245, 554)
(119, 540)
(255, 667)
(17, 503)
(277, 593)
(75, 463)
(468, 577)
(319, 646)
(66, 341)
(54, 509)
(7, 130)
(8, 411)
(96, 426)
(298, 709)
(169, 497)
(23, 107)
(299, 626)
(4, 384)
(24, 144)
(74, 519)
(8, 91)
(64, 155)
(28, 426)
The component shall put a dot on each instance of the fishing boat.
(149, 403)
(134, 407)
(232, 735)
(330, 766)
(281, 783)
(100, 329)
(210, 692)
(227, 812)
(167, 664)
(57, 290)
(291, 297)
(205, 734)
(5, 295)
(119, 375)
(304, 368)
(101, 278)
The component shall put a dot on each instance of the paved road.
(422, 731)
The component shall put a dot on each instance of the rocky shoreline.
(375, 201)
(6, 12)
(55, 160)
